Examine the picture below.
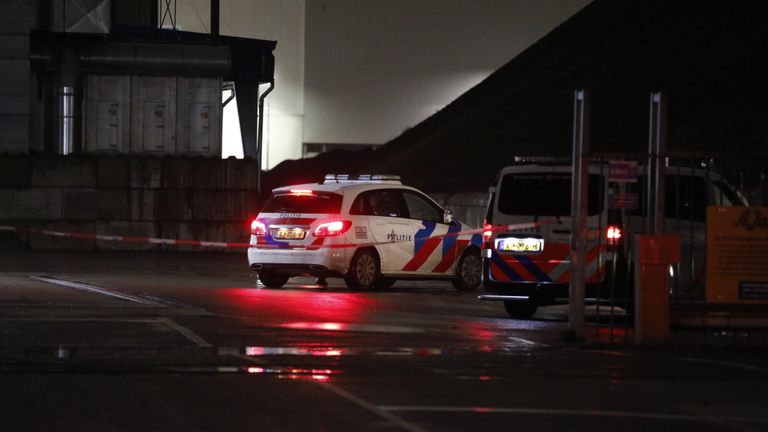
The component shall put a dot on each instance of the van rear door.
(540, 196)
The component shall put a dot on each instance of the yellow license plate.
(285, 234)
(514, 244)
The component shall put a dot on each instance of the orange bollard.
(653, 255)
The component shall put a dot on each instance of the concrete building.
(347, 72)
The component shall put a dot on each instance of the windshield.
(545, 194)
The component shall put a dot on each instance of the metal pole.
(579, 200)
(260, 137)
(657, 167)
(215, 8)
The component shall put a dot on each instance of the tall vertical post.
(579, 201)
(215, 8)
(657, 167)
(260, 138)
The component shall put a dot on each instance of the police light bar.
(361, 178)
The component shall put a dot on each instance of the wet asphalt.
(158, 341)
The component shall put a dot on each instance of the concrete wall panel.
(173, 205)
(79, 204)
(63, 171)
(142, 204)
(210, 173)
(15, 139)
(144, 172)
(112, 172)
(31, 204)
(15, 171)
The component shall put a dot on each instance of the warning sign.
(737, 255)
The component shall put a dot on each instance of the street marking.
(184, 331)
(370, 407)
(526, 341)
(189, 334)
(97, 290)
(574, 412)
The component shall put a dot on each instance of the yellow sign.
(737, 255)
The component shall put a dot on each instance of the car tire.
(520, 309)
(364, 270)
(468, 271)
(272, 280)
(385, 283)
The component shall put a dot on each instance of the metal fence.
(693, 181)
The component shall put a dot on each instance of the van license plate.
(515, 244)
(286, 234)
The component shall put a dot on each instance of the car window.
(420, 207)
(380, 202)
(315, 202)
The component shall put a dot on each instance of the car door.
(390, 227)
(435, 242)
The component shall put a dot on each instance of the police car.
(370, 230)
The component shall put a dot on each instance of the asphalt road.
(171, 341)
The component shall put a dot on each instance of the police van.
(527, 237)
(370, 230)
(527, 234)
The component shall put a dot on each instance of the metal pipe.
(259, 137)
(68, 84)
(66, 120)
(215, 8)
(140, 58)
(230, 87)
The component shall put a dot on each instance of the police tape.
(215, 244)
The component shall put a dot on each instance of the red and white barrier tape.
(166, 241)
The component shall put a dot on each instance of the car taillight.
(332, 228)
(487, 232)
(613, 233)
(258, 228)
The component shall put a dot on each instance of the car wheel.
(363, 271)
(520, 309)
(272, 280)
(468, 271)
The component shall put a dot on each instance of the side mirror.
(448, 217)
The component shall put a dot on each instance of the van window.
(545, 194)
(315, 202)
(686, 197)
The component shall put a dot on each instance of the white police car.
(369, 229)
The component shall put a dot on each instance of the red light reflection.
(273, 307)
(330, 326)
(295, 351)
(294, 373)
